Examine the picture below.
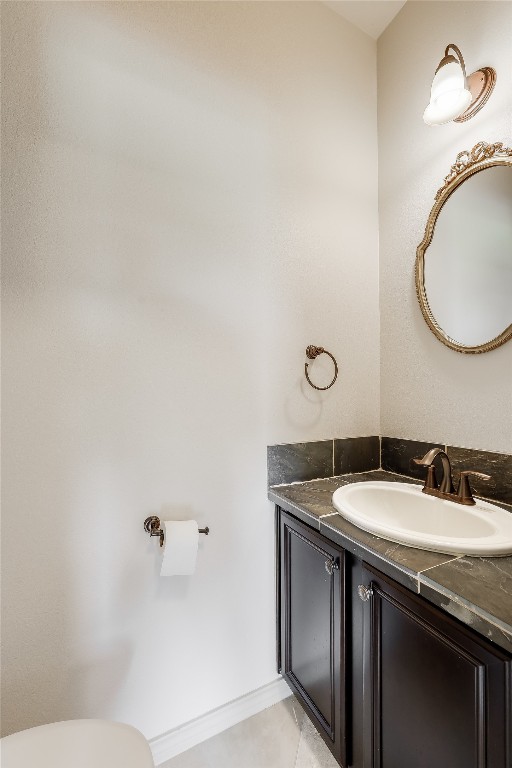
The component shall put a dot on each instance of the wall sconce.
(453, 95)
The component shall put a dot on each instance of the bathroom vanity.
(390, 679)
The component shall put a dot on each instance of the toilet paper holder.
(152, 526)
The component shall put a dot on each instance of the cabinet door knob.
(331, 565)
(364, 593)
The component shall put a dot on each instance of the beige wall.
(429, 392)
(189, 199)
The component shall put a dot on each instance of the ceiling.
(372, 16)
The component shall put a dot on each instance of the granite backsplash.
(300, 462)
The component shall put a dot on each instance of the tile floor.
(281, 736)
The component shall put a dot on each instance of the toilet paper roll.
(180, 547)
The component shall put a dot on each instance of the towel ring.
(311, 353)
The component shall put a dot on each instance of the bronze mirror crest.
(464, 284)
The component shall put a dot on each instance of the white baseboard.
(194, 732)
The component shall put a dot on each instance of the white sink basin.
(402, 513)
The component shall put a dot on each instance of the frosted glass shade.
(449, 95)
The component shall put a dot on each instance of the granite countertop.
(476, 590)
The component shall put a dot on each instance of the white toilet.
(77, 744)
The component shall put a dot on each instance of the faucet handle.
(430, 480)
(465, 495)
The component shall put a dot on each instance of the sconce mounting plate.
(481, 84)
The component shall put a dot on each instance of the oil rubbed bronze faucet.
(446, 490)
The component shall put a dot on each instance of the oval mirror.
(464, 262)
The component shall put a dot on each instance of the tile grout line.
(431, 567)
(445, 562)
(298, 744)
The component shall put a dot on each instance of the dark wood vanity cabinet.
(435, 693)
(311, 593)
(389, 680)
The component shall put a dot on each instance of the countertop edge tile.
(401, 574)
(293, 509)
(490, 627)
(482, 613)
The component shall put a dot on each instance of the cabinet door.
(435, 693)
(312, 627)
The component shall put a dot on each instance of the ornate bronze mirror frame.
(467, 164)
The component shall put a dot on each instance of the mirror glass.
(468, 265)
(464, 262)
